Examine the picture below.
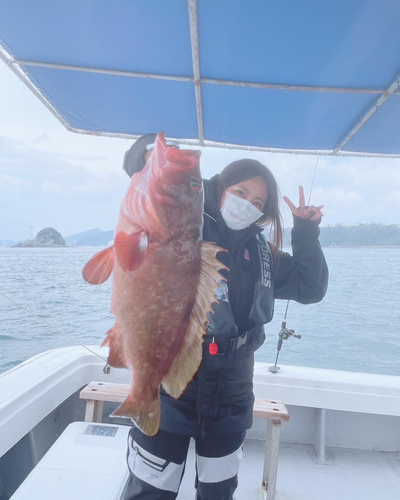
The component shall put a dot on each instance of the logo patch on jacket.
(246, 254)
(265, 262)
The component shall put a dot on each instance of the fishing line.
(51, 326)
(285, 333)
(309, 198)
(312, 184)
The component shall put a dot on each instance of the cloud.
(41, 138)
(343, 197)
(387, 202)
(93, 158)
(51, 187)
(43, 188)
(41, 165)
(11, 184)
(76, 182)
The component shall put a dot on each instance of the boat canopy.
(304, 77)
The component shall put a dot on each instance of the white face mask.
(239, 213)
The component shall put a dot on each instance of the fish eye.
(195, 184)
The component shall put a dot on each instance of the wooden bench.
(96, 393)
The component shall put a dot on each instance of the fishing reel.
(284, 334)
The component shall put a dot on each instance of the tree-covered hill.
(360, 235)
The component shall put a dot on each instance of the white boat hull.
(337, 419)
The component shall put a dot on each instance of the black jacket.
(221, 392)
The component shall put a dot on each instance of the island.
(338, 235)
(371, 234)
(47, 237)
(361, 235)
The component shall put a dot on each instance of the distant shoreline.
(284, 246)
(355, 246)
(40, 246)
(361, 246)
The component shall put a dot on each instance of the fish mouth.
(172, 159)
(179, 160)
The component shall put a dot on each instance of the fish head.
(167, 195)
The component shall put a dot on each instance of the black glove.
(134, 157)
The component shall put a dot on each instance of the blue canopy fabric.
(305, 77)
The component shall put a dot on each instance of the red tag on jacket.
(213, 348)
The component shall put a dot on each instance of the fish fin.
(131, 249)
(99, 267)
(188, 359)
(116, 356)
(146, 414)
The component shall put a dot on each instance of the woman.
(216, 408)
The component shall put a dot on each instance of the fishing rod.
(285, 333)
(106, 368)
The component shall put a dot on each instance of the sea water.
(356, 327)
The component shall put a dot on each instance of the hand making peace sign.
(310, 213)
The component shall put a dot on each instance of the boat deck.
(344, 410)
(346, 474)
(86, 461)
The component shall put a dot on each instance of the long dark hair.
(241, 170)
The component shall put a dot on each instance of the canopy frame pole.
(297, 88)
(103, 71)
(386, 94)
(194, 42)
(240, 147)
(211, 81)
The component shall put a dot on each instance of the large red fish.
(164, 279)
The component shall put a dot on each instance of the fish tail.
(145, 414)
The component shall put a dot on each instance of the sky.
(50, 177)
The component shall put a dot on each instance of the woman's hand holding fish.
(305, 212)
